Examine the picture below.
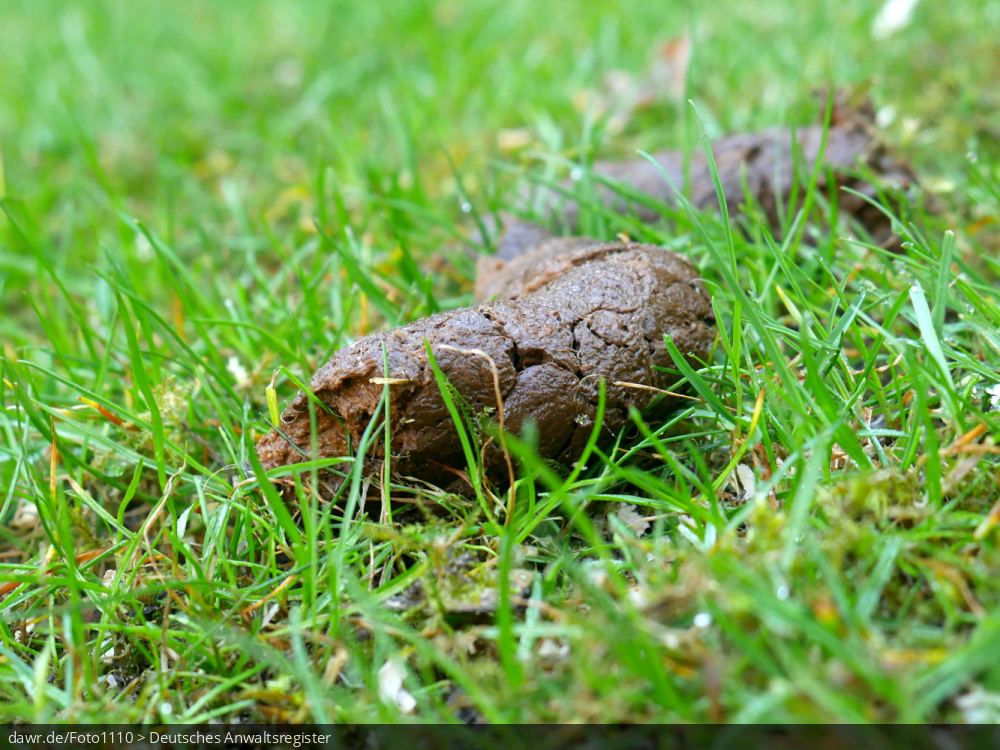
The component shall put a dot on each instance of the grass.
(200, 195)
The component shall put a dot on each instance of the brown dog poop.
(550, 325)
(760, 174)
(555, 317)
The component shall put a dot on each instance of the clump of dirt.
(551, 324)
(852, 157)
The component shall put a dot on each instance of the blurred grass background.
(152, 103)
(226, 128)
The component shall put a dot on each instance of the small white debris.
(630, 516)
(672, 640)
(979, 706)
(688, 529)
(702, 620)
(270, 610)
(783, 592)
(885, 116)
(235, 368)
(166, 709)
(143, 248)
(108, 654)
(26, 516)
(23, 635)
(549, 649)
(994, 394)
(466, 207)
(597, 577)
(390, 686)
(893, 16)
(576, 174)
(638, 597)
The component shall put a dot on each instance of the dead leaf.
(630, 516)
(390, 686)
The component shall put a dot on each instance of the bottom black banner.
(537, 737)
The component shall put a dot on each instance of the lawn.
(204, 200)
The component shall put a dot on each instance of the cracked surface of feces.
(553, 322)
